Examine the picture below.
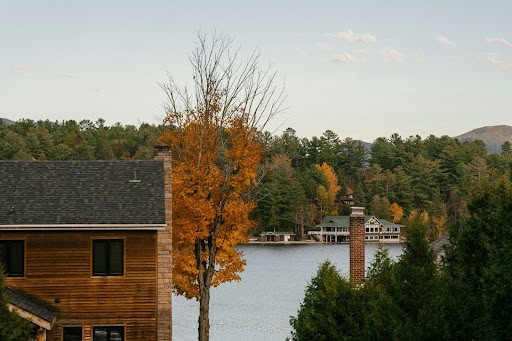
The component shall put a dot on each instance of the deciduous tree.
(327, 196)
(216, 151)
(397, 212)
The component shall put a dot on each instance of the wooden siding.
(58, 267)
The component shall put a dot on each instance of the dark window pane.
(16, 261)
(12, 257)
(108, 257)
(116, 257)
(108, 333)
(117, 334)
(100, 257)
(100, 334)
(72, 334)
(3, 256)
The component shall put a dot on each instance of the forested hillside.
(302, 180)
(71, 140)
(432, 177)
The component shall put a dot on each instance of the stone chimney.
(164, 266)
(357, 250)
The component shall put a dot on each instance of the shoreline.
(304, 242)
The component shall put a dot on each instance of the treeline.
(431, 177)
(466, 296)
(71, 140)
(302, 180)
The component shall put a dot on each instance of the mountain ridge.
(492, 136)
(6, 121)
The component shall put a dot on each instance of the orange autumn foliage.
(397, 212)
(327, 196)
(212, 169)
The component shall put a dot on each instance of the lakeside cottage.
(336, 229)
(277, 237)
(86, 247)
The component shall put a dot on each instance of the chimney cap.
(357, 211)
(159, 150)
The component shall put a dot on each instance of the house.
(86, 247)
(336, 229)
(277, 237)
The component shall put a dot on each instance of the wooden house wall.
(58, 267)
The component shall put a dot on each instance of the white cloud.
(322, 46)
(499, 63)
(343, 58)
(354, 37)
(445, 41)
(21, 68)
(501, 41)
(392, 55)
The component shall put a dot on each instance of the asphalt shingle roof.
(31, 304)
(81, 192)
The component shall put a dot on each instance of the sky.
(363, 69)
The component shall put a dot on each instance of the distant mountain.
(492, 136)
(7, 121)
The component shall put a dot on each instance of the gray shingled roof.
(31, 304)
(438, 246)
(81, 192)
(344, 221)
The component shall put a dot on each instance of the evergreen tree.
(479, 266)
(331, 311)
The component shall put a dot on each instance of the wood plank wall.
(58, 266)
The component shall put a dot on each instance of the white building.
(335, 229)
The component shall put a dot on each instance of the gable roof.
(344, 221)
(60, 193)
(32, 306)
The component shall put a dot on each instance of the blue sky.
(363, 69)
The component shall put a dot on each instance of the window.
(72, 334)
(107, 257)
(108, 333)
(12, 257)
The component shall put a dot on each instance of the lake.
(259, 307)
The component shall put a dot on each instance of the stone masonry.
(357, 250)
(164, 280)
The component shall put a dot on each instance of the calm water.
(259, 307)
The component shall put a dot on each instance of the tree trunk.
(204, 314)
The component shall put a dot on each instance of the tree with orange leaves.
(327, 196)
(216, 153)
(397, 212)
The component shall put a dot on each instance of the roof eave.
(82, 227)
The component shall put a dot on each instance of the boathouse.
(336, 229)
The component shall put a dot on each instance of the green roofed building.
(336, 229)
